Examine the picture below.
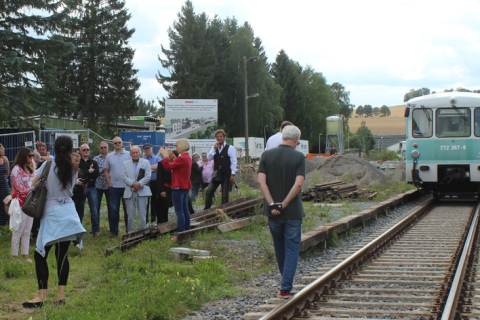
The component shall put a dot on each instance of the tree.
(367, 110)
(25, 44)
(415, 93)
(99, 73)
(190, 61)
(359, 111)
(363, 138)
(146, 108)
(385, 110)
(342, 100)
(376, 111)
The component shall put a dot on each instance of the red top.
(181, 169)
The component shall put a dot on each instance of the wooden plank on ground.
(236, 224)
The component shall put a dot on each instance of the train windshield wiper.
(426, 115)
(461, 114)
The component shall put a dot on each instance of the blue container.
(139, 138)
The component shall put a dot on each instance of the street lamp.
(251, 59)
(264, 136)
(319, 140)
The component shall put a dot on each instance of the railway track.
(422, 268)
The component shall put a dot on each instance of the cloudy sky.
(378, 50)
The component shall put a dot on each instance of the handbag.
(6, 202)
(34, 203)
(217, 176)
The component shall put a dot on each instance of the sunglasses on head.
(85, 149)
(118, 142)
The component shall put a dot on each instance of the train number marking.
(453, 147)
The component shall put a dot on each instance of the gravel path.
(266, 286)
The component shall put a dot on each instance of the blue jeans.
(287, 236)
(180, 202)
(116, 194)
(91, 194)
(100, 193)
(195, 189)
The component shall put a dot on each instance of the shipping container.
(139, 138)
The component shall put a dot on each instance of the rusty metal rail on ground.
(201, 220)
(312, 301)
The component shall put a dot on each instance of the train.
(443, 144)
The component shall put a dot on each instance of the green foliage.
(98, 73)
(14, 269)
(385, 110)
(359, 111)
(415, 93)
(333, 240)
(25, 69)
(368, 110)
(363, 138)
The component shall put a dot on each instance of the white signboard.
(196, 145)
(28, 144)
(255, 146)
(74, 137)
(303, 147)
(183, 117)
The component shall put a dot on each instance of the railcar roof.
(442, 100)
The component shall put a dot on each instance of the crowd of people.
(170, 178)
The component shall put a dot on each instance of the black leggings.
(63, 267)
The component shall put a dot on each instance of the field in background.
(391, 125)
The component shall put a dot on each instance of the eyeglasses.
(85, 149)
(30, 155)
(103, 147)
(118, 142)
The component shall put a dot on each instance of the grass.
(145, 282)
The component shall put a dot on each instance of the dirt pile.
(347, 168)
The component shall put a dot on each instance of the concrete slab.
(189, 251)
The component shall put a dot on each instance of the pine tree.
(191, 57)
(25, 45)
(99, 73)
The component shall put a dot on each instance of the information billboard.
(186, 116)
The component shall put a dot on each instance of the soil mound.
(348, 168)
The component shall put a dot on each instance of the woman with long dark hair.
(22, 178)
(60, 224)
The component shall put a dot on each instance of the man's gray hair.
(136, 147)
(36, 155)
(291, 133)
(75, 155)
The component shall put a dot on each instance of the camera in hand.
(275, 206)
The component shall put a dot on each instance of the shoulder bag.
(34, 203)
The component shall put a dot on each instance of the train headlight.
(415, 154)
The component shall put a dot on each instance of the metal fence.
(79, 137)
(13, 142)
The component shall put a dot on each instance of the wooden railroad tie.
(336, 190)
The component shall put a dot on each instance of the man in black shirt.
(224, 159)
(280, 176)
(90, 172)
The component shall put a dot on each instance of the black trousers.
(212, 187)
(152, 202)
(63, 266)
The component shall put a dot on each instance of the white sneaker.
(154, 224)
(77, 246)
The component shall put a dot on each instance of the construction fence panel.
(13, 142)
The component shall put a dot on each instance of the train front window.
(477, 122)
(422, 124)
(453, 122)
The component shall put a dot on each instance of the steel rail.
(450, 309)
(310, 295)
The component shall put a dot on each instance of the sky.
(378, 50)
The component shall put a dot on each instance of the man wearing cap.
(154, 160)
